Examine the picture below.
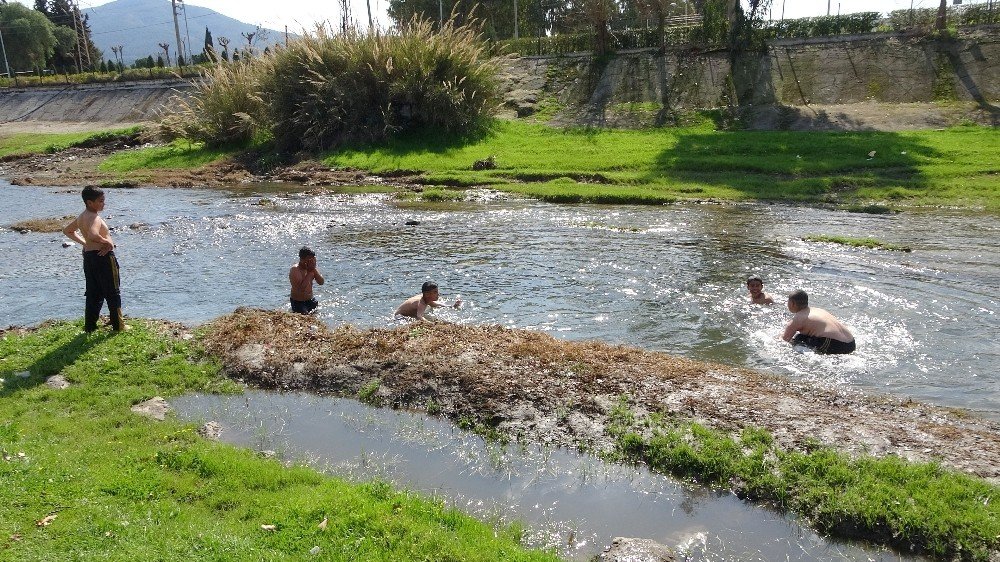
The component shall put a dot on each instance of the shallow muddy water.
(568, 502)
(665, 278)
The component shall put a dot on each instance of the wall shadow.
(53, 362)
(965, 77)
(789, 163)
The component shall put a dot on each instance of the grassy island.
(871, 243)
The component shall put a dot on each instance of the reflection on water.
(571, 503)
(665, 278)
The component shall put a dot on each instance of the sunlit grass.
(178, 154)
(84, 478)
(954, 166)
(913, 506)
(45, 143)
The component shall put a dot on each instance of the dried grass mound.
(529, 384)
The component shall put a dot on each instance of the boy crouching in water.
(415, 306)
(816, 328)
(100, 266)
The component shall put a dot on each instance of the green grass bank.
(84, 478)
(862, 171)
(24, 144)
(916, 507)
(942, 167)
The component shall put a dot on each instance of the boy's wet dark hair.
(755, 278)
(799, 297)
(305, 252)
(428, 286)
(92, 193)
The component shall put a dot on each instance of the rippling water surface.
(665, 278)
(572, 504)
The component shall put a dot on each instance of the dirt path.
(529, 385)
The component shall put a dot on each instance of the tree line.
(55, 35)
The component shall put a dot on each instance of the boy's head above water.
(430, 290)
(798, 300)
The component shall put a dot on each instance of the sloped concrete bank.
(129, 102)
(884, 81)
(531, 386)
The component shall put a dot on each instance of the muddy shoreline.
(530, 386)
(78, 166)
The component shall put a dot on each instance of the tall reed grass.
(329, 89)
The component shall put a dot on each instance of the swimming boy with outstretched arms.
(415, 306)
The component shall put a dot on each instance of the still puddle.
(571, 503)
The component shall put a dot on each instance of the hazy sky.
(297, 14)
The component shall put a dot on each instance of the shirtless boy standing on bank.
(816, 328)
(301, 277)
(415, 306)
(100, 266)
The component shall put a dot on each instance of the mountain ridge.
(140, 25)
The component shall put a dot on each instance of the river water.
(667, 278)
(570, 503)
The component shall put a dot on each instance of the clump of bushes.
(328, 89)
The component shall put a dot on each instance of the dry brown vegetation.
(528, 385)
(42, 225)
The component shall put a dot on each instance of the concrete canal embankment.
(130, 102)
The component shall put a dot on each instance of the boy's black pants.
(103, 284)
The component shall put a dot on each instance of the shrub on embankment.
(327, 89)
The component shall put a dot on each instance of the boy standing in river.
(100, 266)
(301, 277)
(816, 328)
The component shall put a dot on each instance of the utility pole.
(371, 24)
(177, 33)
(6, 65)
(440, 15)
(515, 19)
(187, 47)
(828, 7)
(77, 34)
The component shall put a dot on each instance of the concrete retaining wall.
(647, 88)
(109, 103)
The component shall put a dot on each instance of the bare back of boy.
(817, 322)
(412, 307)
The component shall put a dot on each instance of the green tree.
(61, 13)
(208, 52)
(28, 36)
(63, 57)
